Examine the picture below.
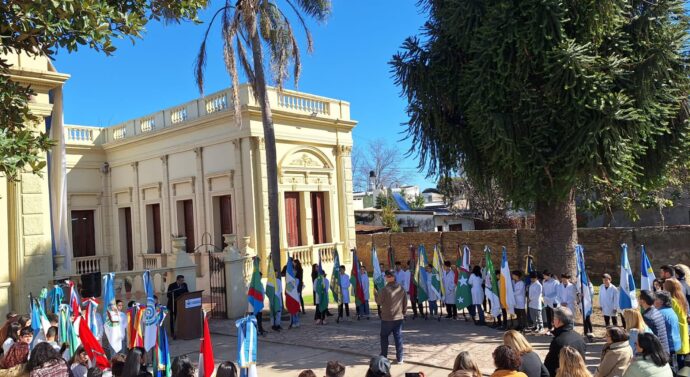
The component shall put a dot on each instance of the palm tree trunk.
(556, 233)
(270, 145)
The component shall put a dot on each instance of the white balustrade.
(153, 261)
(303, 253)
(119, 132)
(216, 102)
(81, 134)
(303, 104)
(148, 124)
(178, 115)
(248, 269)
(87, 265)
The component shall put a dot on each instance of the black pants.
(521, 318)
(549, 317)
(588, 325)
(318, 314)
(504, 318)
(622, 320)
(451, 311)
(173, 315)
(610, 318)
(260, 322)
(417, 306)
(340, 310)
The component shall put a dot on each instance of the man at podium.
(175, 290)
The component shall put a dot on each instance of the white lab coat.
(365, 285)
(608, 300)
(535, 295)
(519, 294)
(477, 290)
(405, 280)
(449, 285)
(568, 294)
(345, 288)
(550, 292)
(399, 276)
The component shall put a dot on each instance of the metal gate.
(216, 272)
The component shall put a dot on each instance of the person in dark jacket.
(653, 318)
(564, 335)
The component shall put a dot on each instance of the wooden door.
(292, 219)
(188, 208)
(128, 239)
(225, 216)
(156, 219)
(318, 218)
(83, 234)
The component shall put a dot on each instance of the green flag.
(335, 279)
(491, 284)
(320, 288)
(421, 275)
(463, 292)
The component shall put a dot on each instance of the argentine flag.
(647, 283)
(506, 285)
(626, 297)
(583, 284)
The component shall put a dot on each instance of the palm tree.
(247, 25)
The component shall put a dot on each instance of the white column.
(166, 209)
(138, 222)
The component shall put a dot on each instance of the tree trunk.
(270, 145)
(556, 231)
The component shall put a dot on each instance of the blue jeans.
(433, 308)
(363, 309)
(476, 308)
(395, 327)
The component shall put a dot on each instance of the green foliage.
(538, 96)
(417, 203)
(40, 28)
(384, 200)
(388, 218)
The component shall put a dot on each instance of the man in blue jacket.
(653, 318)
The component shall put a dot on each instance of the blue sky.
(350, 62)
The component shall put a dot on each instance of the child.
(550, 293)
(449, 283)
(567, 293)
(431, 291)
(608, 300)
(535, 300)
(364, 278)
(275, 320)
(345, 293)
(519, 294)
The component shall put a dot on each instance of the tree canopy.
(541, 95)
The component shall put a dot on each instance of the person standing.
(519, 294)
(563, 335)
(345, 293)
(535, 301)
(679, 306)
(476, 282)
(364, 278)
(393, 303)
(299, 275)
(567, 293)
(550, 292)
(174, 291)
(608, 301)
(653, 319)
(449, 284)
(662, 301)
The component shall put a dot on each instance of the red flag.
(206, 362)
(92, 347)
(74, 299)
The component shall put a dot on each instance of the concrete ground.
(430, 346)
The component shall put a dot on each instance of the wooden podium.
(188, 317)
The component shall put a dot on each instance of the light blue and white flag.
(583, 284)
(246, 345)
(150, 315)
(626, 297)
(647, 283)
(379, 281)
(111, 316)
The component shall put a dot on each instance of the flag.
(391, 258)
(421, 275)
(335, 279)
(73, 299)
(161, 354)
(506, 285)
(583, 284)
(92, 346)
(291, 294)
(458, 264)
(626, 296)
(92, 315)
(272, 290)
(135, 333)
(529, 268)
(321, 292)
(356, 280)
(246, 341)
(379, 281)
(436, 281)
(255, 294)
(42, 298)
(648, 277)
(413, 279)
(491, 285)
(150, 315)
(66, 333)
(56, 296)
(206, 362)
(39, 321)
(111, 316)
(463, 292)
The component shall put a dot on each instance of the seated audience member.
(571, 364)
(94, 372)
(135, 364)
(635, 325)
(530, 363)
(464, 366)
(182, 367)
(51, 334)
(651, 361)
(19, 352)
(563, 335)
(616, 355)
(379, 366)
(13, 330)
(227, 369)
(45, 361)
(117, 363)
(79, 363)
(335, 369)
(507, 362)
(307, 373)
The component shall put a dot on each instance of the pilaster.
(166, 214)
(345, 205)
(200, 197)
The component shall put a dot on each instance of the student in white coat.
(608, 300)
(476, 282)
(535, 301)
(520, 295)
(345, 293)
(364, 278)
(567, 293)
(550, 293)
(449, 286)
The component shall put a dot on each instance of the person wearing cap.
(608, 301)
(379, 366)
(393, 303)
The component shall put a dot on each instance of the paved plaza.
(430, 345)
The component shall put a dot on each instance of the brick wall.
(670, 245)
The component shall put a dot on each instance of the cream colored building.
(188, 178)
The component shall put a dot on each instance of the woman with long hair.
(652, 360)
(182, 367)
(530, 363)
(616, 355)
(134, 363)
(45, 361)
(507, 362)
(227, 369)
(464, 366)
(635, 325)
(679, 305)
(571, 364)
(12, 336)
(79, 362)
